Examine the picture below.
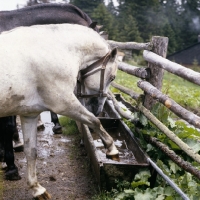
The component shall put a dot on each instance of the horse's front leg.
(29, 129)
(80, 113)
(108, 142)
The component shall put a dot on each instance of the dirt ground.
(62, 168)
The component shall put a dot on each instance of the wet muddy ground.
(62, 167)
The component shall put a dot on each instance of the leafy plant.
(68, 125)
(189, 184)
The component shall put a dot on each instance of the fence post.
(160, 45)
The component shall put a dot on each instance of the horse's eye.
(112, 78)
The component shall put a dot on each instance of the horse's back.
(50, 13)
(32, 37)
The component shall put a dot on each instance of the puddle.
(46, 138)
(65, 140)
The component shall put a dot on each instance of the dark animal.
(34, 15)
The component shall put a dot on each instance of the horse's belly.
(17, 108)
(18, 99)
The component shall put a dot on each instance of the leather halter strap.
(91, 69)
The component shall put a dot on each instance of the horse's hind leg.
(29, 128)
(57, 129)
(40, 124)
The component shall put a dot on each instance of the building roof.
(187, 56)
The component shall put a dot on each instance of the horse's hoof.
(57, 129)
(114, 155)
(12, 175)
(18, 147)
(44, 196)
(40, 127)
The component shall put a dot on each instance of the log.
(159, 47)
(170, 103)
(189, 151)
(119, 109)
(172, 67)
(130, 45)
(135, 71)
(126, 90)
(119, 97)
(173, 156)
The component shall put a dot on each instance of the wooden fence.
(151, 83)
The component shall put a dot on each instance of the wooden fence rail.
(172, 67)
(130, 45)
(135, 71)
(170, 103)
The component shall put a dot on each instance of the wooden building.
(187, 56)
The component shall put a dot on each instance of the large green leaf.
(144, 195)
(194, 144)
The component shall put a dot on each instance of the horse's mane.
(65, 6)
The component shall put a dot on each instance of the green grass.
(183, 92)
(69, 125)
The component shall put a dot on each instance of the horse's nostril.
(94, 101)
(112, 78)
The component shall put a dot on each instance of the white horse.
(31, 58)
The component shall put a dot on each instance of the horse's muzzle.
(93, 106)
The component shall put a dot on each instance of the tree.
(105, 18)
(35, 2)
(128, 31)
(87, 5)
(111, 8)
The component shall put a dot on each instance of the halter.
(91, 69)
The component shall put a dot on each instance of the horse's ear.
(93, 25)
(99, 26)
(113, 53)
(104, 35)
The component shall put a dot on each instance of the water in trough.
(125, 154)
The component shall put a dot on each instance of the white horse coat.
(31, 58)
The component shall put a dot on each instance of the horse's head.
(96, 80)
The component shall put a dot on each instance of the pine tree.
(87, 6)
(105, 18)
(128, 31)
(111, 8)
(35, 2)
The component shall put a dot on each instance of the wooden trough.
(132, 158)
